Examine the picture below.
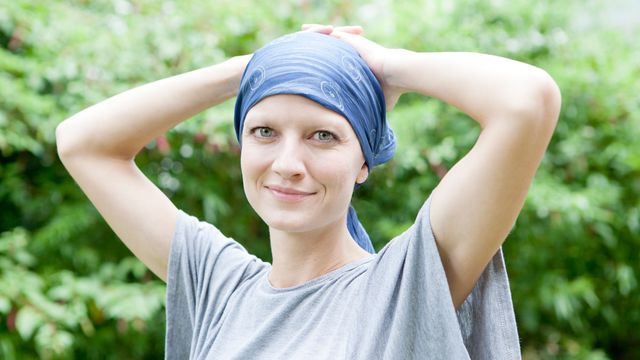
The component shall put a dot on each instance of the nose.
(288, 161)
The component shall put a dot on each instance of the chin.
(287, 223)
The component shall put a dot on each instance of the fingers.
(307, 26)
(349, 33)
(353, 29)
(344, 35)
(324, 29)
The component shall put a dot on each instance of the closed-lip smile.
(288, 194)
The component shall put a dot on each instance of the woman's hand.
(373, 54)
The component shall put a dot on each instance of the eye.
(262, 132)
(324, 136)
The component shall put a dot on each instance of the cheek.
(252, 164)
(336, 172)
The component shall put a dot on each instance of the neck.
(303, 256)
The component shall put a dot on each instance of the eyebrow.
(330, 119)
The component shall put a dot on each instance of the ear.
(363, 174)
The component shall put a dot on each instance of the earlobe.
(363, 174)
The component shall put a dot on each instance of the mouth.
(288, 194)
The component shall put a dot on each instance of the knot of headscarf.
(332, 73)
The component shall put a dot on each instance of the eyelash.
(255, 131)
(333, 136)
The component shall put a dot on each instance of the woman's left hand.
(372, 53)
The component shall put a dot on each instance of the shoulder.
(420, 230)
(199, 242)
(411, 253)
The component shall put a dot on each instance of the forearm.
(121, 125)
(483, 86)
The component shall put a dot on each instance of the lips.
(288, 194)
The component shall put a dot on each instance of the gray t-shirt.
(392, 305)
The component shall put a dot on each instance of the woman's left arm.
(477, 202)
(475, 205)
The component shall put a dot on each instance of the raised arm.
(476, 204)
(517, 105)
(98, 145)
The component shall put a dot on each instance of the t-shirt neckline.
(320, 279)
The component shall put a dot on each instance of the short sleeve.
(204, 269)
(407, 292)
(487, 318)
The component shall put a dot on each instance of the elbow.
(537, 104)
(70, 141)
(75, 139)
(62, 140)
(549, 101)
(550, 98)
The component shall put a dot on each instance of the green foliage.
(70, 289)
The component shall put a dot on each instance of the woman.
(310, 117)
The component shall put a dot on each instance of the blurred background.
(70, 289)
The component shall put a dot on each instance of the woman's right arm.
(98, 146)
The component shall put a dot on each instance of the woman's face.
(299, 163)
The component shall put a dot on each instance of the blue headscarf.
(332, 73)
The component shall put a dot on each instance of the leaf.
(52, 341)
(27, 321)
(5, 305)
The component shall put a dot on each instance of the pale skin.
(473, 207)
(314, 151)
